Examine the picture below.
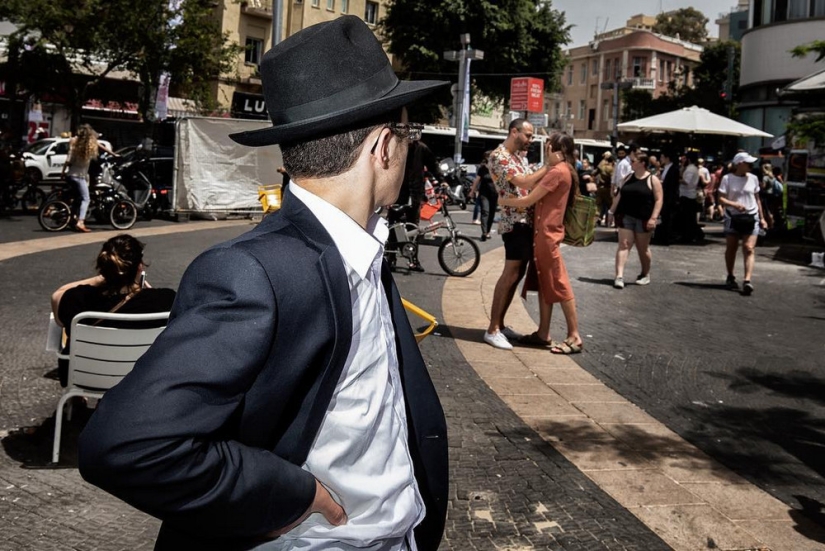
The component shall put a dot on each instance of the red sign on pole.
(527, 94)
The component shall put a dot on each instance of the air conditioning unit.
(594, 45)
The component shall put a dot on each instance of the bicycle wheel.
(123, 214)
(32, 200)
(459, 256)
(54, 215)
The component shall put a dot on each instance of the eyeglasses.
(406, 131)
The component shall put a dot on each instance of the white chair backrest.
(100, 357)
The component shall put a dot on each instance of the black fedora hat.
(328, 77)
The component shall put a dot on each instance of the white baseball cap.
(743, 157)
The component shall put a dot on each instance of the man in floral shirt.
(513, 178)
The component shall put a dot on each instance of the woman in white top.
(739, 194)
(82, 149)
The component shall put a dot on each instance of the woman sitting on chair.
(120, 286)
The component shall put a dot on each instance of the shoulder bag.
(580, 221)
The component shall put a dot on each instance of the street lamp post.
(277, 9)
(461, 107)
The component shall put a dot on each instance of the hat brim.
(406, 92)
(747, 160)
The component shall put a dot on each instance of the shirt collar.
(357, 246)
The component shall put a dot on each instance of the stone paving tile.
(693, 527)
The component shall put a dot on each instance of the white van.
(592, 150)
(45, 158)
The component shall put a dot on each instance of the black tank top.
(636, 198)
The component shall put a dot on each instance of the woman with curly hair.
(83, 148)
(119, 286)
(547, 273)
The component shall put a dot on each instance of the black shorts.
(518, 243)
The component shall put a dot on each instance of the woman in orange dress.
(547, 273)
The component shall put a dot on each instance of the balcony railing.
(260, 8)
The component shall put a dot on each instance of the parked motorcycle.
(454, 191)
(18, 187)
(137, 184)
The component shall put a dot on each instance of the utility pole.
(461, 110)
(277, 11)
(729, 81)
(616, 86)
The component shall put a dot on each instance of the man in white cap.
(286, 405)
(739, 194)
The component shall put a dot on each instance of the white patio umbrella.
(692, 120)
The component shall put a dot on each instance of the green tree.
(518, 37)
(68, 48)
(809, 126)
(816, 47)
(689, 24)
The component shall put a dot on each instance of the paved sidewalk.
(510, 490)
(684, 496)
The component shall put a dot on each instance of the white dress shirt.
(361, 453)
(622, 171)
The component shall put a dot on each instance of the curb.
(20, 248)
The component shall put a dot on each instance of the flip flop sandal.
(533, 339)
(566, 348)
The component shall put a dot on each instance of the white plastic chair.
(99, 357)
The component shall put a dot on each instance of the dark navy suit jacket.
(209, 430)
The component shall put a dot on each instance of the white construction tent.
(215, 175)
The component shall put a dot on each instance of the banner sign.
(465, 111)
(527, 94)
(248, 106)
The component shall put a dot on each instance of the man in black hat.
(287, 405)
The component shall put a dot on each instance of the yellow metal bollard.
(426, 316)
(270, 197)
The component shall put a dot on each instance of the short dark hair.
(642, 157)
(632, 147)
(332, 154)
(518, 124)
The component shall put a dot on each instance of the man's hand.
(324, 504)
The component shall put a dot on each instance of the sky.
(586, 14)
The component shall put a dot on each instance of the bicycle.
(109, 203)
(20, 188)
(458, 255)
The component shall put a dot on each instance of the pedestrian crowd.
(646, 198)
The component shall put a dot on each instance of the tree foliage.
(689, 24)
(69, 47)
(816, 47)
(518, 38)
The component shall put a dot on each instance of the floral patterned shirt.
(504, 166)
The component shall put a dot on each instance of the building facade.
(633, 55)
(775, 28)
(249, 24)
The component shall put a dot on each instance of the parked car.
(45, 158)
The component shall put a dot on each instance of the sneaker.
(484, 237)
(497, 340)
(731, 283)
(618, 283)
(416, 268)
(477, 222)
(511, 334)
(643, 279)
(747, 288)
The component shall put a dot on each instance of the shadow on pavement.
(602, 281)
(32, 446)
(704, 286)
(470, 334)
(796, 430)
